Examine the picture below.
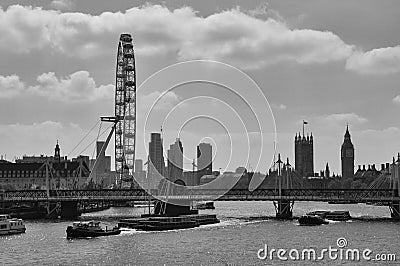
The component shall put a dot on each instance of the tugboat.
(89, 229)
(11, 225)
(312, 220)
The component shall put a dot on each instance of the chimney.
(373, 167)
(359, 167)
(387, 166)
(363, 167)
(382, 167)
(369, 167)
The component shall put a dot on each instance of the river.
(245, 228)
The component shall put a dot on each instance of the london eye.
(125, 110)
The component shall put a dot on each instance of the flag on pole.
(305, 122)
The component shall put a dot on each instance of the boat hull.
(312, 220)
(81, 233)
(164, 227)
(185, 221)
(17, 231)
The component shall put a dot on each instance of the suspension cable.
(97, 139)
(87, 134)
(101, 134)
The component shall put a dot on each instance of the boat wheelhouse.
(11, 225)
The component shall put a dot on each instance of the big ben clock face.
(349, 153)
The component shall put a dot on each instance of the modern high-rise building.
(175, 161)
(304, 155)
(347, 156)
(139, 174)
(156, 165)
(102, 172)
(138, 165)
(204, 161)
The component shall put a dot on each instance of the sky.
(272, 65)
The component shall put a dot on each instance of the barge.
(161, 223)
(332, 215)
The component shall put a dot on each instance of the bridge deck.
(349, 195)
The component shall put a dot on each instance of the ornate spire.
(347, 134)
(57, 152)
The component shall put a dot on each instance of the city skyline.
(55, 86)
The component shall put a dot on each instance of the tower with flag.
(304, 153)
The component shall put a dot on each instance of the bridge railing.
(352, 195)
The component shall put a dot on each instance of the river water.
(245, 228)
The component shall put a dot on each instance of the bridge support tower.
(395, 210)
(69, 209)
(284, 209)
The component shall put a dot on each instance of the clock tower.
(347, 155)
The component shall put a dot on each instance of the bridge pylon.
(395, 210)
(283, 207)
(395, 186)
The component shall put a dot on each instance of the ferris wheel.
(125, 110)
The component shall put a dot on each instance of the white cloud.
(24, 29)
(346, 117)
(165, 103)
(377, 61)
(334, 122)
(77, 87)
(396, 99)
(232, 36)
(62, 4)
(10, 86)
(278, 106)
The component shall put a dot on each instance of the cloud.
(334, 122)
(278, 106)
(24, 29)
(165, 103)
(10, 86)
(377, 61)
(232, 36)
(263, 10)
(396, 99)
(62, 4)
(346, 117)
(77, 87)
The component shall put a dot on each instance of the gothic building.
(347, 155)
(304, 155)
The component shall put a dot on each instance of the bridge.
(323, 195)
(283, 199)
